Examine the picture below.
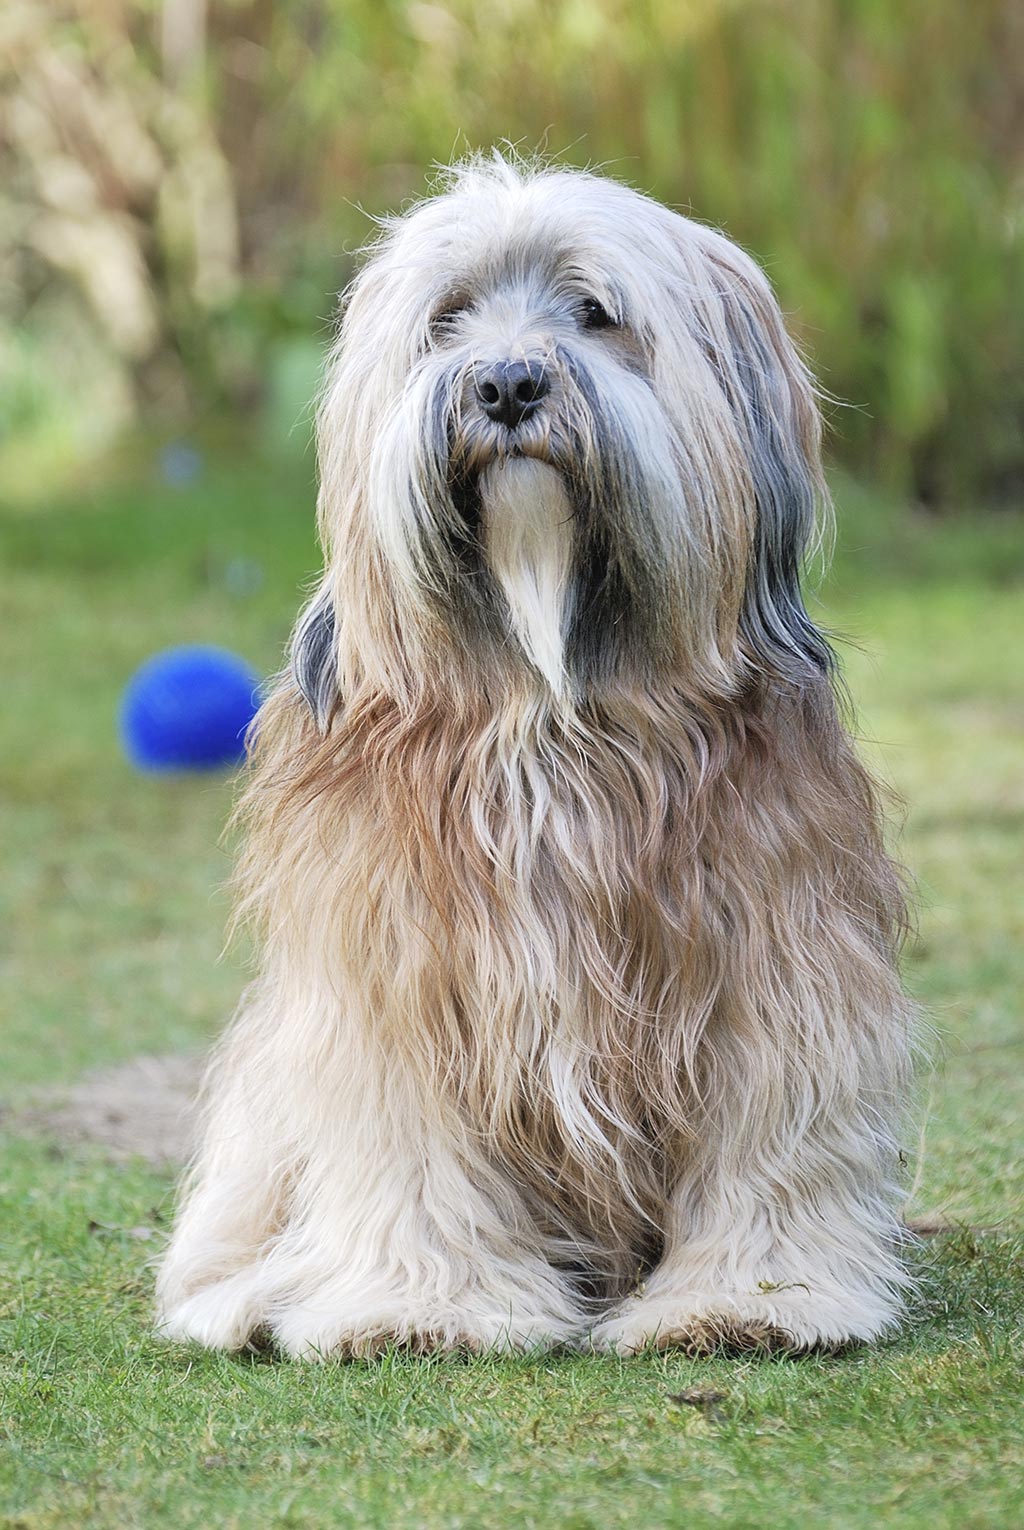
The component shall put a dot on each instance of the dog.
(577, 1017)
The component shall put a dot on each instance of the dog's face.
(565, 426)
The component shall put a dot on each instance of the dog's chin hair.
(527, 519)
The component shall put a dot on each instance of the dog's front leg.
(765, 1260)
(401, 1235)
(370, 1215)
(782, 1232)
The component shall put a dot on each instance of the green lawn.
(111, 926)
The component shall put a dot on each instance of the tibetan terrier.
(576, 1016)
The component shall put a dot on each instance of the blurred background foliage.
(183, 183)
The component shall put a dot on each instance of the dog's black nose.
(510, 391)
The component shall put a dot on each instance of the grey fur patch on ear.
(772, 394)
(313, 657)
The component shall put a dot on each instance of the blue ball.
(188, 709)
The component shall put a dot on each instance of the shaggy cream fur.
(577, 1015)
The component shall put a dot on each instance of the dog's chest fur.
(544, 890)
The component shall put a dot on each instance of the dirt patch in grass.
(140, 1109)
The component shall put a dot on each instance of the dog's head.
(563, 429)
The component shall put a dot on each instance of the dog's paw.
(321, 1329)
(224, 1315)
(698, 1337)
(787, 1320)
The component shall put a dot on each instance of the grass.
(111, 925)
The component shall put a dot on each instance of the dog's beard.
(563, 537)
(527, 531)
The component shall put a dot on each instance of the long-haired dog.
(576, 1015)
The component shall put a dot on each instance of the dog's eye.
(594, 315)
(444, 321)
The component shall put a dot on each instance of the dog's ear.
(772, 396)
(313, 658)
